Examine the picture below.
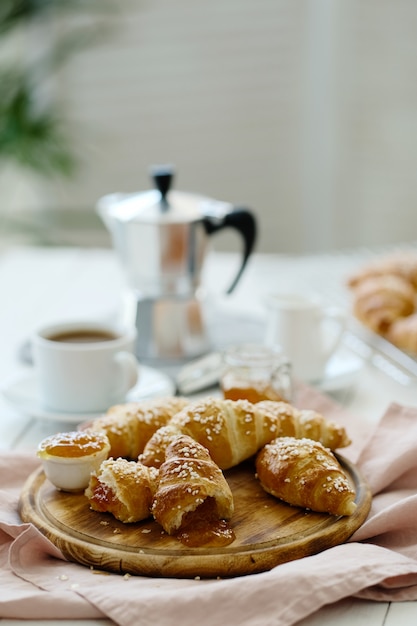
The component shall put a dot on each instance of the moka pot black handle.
(242, 220)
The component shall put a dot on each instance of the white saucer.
(22, 393)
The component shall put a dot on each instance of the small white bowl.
(69, 458)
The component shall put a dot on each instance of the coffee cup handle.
(127, 367)
(338, 316)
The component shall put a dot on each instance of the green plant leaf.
(33, 138)
(14, 13)
(32, 132)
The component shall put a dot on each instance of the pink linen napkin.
(379, 562)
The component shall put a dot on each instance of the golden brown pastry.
(307, 423)
(304, 473)
(403, 264)
(189, 481)
(232, 430)
(379, 301)
(129, 426)
(403, 333)
(123, 488)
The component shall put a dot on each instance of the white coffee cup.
(84, 367)
(307, 332)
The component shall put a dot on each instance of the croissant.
(304, 473)
(129, 426)
(403, 333)
(234, 430)
(123, 488)
(403, 264)
(191, 489)
(307, 423)
(379, 301)
(231, 430)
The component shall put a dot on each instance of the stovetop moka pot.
(161, 237)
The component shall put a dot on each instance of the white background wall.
(303, 110)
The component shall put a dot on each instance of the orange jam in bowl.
(69, 458)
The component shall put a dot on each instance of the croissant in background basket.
(385, 298)
(401, 264)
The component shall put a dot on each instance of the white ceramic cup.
(84, 367)
(307, 332)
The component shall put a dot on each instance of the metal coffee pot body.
(162, 237)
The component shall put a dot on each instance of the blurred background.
(304, 111)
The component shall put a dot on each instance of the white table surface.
(39, 285)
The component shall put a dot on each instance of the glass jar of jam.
(255, 372)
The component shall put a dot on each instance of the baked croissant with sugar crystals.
(304, 473)
(234, 430)
(231, 430)
(191, 489)
(129, 426)
(123, 488)
(306, 423)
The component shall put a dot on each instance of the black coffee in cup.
(83, 336)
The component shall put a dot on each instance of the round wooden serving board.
(268, 532)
